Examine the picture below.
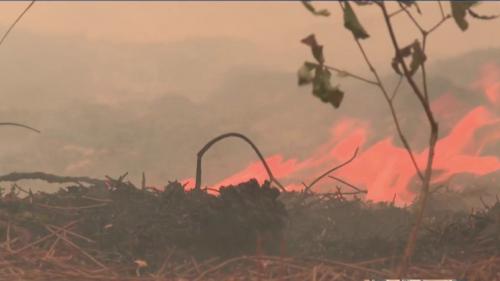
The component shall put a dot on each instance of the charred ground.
(104, 229)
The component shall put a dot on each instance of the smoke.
(383, 168)
(107, 109)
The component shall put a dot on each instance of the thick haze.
(135, 87)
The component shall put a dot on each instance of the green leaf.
(352, 23)
(321, 81)
(481, 17)
(458, 11)
(305, 75)
(310, 7)
(395, 66)
(363, 2)
(410, 3)
(404, 52)
(323, 89)
(335, 97)
(407, 3)
(418, 57)
(317, 50)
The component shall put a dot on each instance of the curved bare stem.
(19, 125)
(50, 178)
(15, 22)
(358, 190)
(244, 138)
(309, 186)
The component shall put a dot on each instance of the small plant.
(408, 60)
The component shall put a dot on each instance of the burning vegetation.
(109, 229)
(421, 216)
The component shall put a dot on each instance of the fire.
(385, 169)
(343, 141)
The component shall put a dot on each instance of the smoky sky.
(105, 108)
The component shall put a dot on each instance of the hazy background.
(131, 86)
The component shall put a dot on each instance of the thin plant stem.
(412, 18)
(346, 73)
(15, 22)
(441, 8)
(395, 118)
(424, 193)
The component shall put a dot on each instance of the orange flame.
(385, 169)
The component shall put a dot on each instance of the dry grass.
(61, 260)
(59, 237)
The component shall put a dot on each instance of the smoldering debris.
(109, 229)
